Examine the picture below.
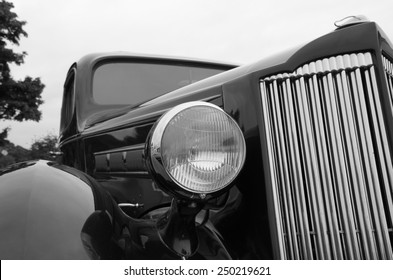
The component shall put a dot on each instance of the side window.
(68, 105)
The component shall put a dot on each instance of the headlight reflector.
(200, 147)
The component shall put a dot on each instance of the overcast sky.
(240, 31)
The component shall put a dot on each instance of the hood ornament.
(351, 20)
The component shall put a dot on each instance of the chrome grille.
(388, 67)
(330, 163)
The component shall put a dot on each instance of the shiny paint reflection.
(42, 211)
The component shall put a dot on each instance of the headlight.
(195, 149)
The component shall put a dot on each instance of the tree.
(19, 100)
(3, 137)
(9, 154)
(44, 148)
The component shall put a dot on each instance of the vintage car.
(166, 158)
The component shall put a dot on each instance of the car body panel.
(43, 211)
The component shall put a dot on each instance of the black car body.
(317, 181)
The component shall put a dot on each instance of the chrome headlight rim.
(154, 157)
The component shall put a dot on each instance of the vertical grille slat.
(286, 193)
(331, 169)
(296, 177)
(310, 166)
(355, 162)
(389, 78)
(326, 180)
(340, 166)
(277, 218)
(383, 152)
(351, 154)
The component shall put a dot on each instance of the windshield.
(134, 82)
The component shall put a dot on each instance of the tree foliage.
(19, 100)
(42, 148)
(9, 154)
(3, 137)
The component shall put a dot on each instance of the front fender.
(52, 211)
(43, 208)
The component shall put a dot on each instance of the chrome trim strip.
(131, 205)
(125, 173)
(122, 149)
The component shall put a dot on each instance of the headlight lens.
(200, 147)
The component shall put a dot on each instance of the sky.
(237, 31)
